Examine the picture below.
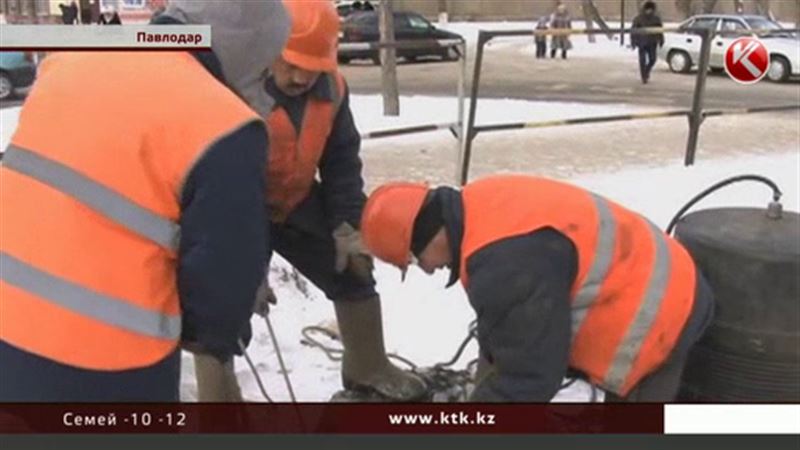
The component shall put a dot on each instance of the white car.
(681, 50)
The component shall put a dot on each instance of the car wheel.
(779, 69)
(6, 87)
(376, 59)
(679, 61)
(411, 59)
(344, 60)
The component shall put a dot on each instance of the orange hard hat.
(315, 31)
(387, 222)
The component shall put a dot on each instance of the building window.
(42, 7)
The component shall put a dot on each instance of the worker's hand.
(265, 296)
(351, 253)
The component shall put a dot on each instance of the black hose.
(776, 194)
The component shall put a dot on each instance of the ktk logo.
(747, 60)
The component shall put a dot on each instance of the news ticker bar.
(332, 418)
(394, 418)
(98, 37)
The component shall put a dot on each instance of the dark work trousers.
(27, 378)
(662, 385)
(305, 241)
(647, 59)
(541, 48)
(563, 53)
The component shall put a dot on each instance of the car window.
(730, 27)
(401, 21)
(760, 23)
(418, 22)
(366, 19)
(686, 25)
(705, 23)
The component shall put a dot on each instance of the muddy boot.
(216, 382)
(365, 366)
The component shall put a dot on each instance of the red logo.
(746, 60)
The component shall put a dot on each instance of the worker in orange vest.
(315, 192)
(562, 281)
(121, 246)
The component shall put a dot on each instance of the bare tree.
(391, 101)
(684, 7)
(763, 9)
(592, 15)
(708, 6)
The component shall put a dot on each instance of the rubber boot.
(365, 366)
(216, 381)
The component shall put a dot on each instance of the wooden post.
(391, 102)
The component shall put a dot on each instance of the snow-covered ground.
(425, 322)
(603, 47)
(420, 109)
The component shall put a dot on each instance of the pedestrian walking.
(647, 43)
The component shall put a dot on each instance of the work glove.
(351, 253)
(265, 296)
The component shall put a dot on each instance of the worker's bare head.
(291, 79)
(430, 243)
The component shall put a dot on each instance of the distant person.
(109, 16)
(647, 43)
(560, 20)
(541, 39)
(69, 13)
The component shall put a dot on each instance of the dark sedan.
(17, 72)
(362, 27)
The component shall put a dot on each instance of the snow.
(425, 322)
(601, 48)
(419, 110)
(8, 123)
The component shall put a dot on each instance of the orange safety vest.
(634, 287)
(90, 193)
(293, 159)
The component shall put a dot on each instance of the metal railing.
(696, 114)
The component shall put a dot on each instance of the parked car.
(17, 71)
(363, 27)
(681, 50)
(347, 7)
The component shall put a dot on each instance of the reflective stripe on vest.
(111, 205)
(94, 195)
(649, 305)
(76, 298)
